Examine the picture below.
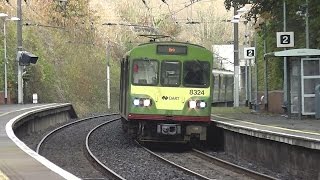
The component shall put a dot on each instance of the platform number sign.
(249, 52)
(285, 39)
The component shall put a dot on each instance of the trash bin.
(317, 101)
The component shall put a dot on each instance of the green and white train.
(166, 91)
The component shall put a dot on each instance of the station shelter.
(303, 76)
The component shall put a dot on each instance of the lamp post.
(19, 48)
(108, 73)
(235, 21)
(243, 11)
(5, 18)
(236, 59)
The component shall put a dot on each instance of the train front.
(169, 94)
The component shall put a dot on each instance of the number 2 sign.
(285, 39)
(249, 53)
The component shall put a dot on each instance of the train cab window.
(170, 73)
(196, 73)
(145, 72)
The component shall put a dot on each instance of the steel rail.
(66, 125)
(98, 163)
(231, 166)
(174, 164)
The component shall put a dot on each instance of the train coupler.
(169, 129)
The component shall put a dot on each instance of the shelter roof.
(295, 52)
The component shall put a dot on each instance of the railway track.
(197, 164)
(91, 158)
(233, 167)
(121, 154)
(205, 166)
(95, 159)
(68, 141)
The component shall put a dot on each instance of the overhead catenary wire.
(34, 11)
(186, 6)
(150, 12)
(222, 58)
(165, 2)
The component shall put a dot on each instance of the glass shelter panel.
(311, 67)
(310, 85)
(310, 78)
(294, 84)
(309, 105)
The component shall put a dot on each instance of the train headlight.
(192, 104)
(196, 104)
(202, 104)
(146, 102)
(136, 102)
(142, 102)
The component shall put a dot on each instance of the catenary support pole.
(19, 45)
(266, 70)
(5, 63)
(257, 108)
(108, 74)
(236, 63)
(307, 24)
(285, 66)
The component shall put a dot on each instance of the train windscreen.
(196, 73)
(145, 72)
(170, 73)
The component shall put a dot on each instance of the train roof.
(164, 42)
(170, 42)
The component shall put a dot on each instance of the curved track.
(195, 163)
(64, 146)
(95, 159)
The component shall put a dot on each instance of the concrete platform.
(288, 147)
(305, 133)
(17, 161)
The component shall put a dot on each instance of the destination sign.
(172, 50)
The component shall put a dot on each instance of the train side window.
(170, 73)
(145, 72)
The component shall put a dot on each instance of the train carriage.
(166, 91)
(222, 88)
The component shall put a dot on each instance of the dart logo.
(170, 98)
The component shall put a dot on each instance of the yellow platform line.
(275, 127)
(3, 176)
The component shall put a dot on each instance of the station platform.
(305, 132)
(17, 161)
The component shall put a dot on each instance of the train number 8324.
(196, 92)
